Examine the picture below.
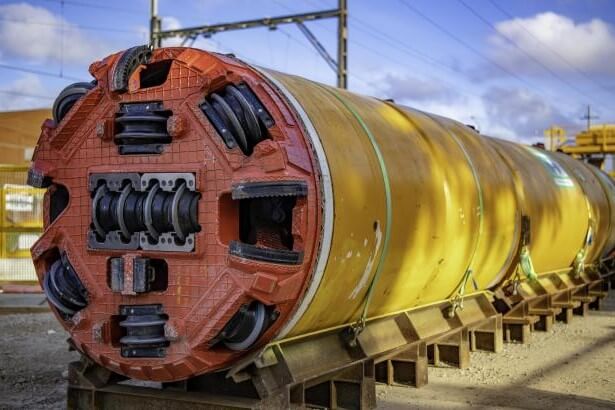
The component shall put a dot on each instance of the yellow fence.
(21, 223)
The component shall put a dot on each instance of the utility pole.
(154, 24)
(342, 44)
(589, 117)
(340, 66)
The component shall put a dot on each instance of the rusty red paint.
(207, 286)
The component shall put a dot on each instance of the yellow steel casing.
(608, 185)
(314, 210)
(597, 201)
(552, 199)
(452, 201)
(455, 201)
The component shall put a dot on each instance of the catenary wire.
(551, 49)
(527, 54)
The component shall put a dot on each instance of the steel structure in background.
(340, 66)
(589, 117)
(594, 145)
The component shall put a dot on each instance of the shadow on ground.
(450, 396)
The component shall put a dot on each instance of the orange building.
(19, 131)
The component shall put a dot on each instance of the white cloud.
(504, 112)
(18, 91)
(588, 46)
(509, 113)
(171, 23)
(406, 88)
(40, 40)
(520, 114)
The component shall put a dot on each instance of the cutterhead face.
(182, 213)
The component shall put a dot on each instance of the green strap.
(579, 260)
(579, 263)
(525, 263)
(457, 299)
(389, 210)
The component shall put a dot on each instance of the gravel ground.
(571, 367)
(33, 360)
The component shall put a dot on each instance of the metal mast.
(341, 14)
(589, 117)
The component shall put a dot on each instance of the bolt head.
(176, 126)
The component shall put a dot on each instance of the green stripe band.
(387, 192)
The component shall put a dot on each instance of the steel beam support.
(318, 46)
(341, 14)
(270, 22)
(292, 373)
(394, 350)
(342, 44)
(557, 296)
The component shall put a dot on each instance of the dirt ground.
(571, 367)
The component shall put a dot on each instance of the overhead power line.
(405, 48)
(551, 49)
(68, 26)
(340, 14)
(470, 47)
(527, 54)
(313, 51)
(20, 94)
(39, 72)
(97, 6)
(394, 42)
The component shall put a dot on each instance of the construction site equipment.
(599, 139)
(339, 64)
(593, 145)
(555, 137)
(208, 223)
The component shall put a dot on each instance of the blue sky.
(512, 68)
